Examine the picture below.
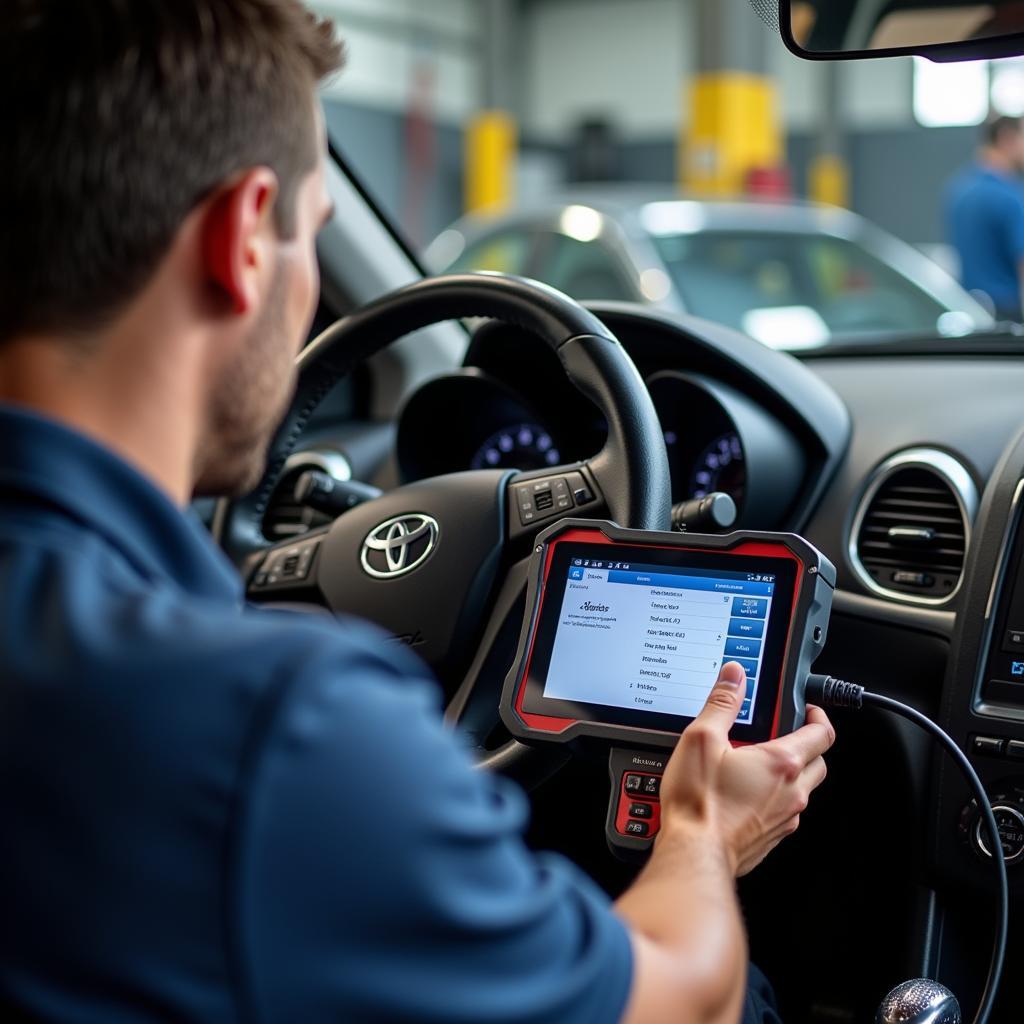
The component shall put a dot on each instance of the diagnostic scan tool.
(625, 635)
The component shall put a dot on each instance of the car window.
(768, 284)
(507, 252)
(585, 270)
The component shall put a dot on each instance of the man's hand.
(722, 812)
(750, 798)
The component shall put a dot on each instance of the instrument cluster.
(473, 420)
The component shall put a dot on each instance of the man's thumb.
(726, 698)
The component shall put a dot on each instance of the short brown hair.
(123, 115)
(993, 131)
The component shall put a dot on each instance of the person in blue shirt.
(213, 812)
(985, 218)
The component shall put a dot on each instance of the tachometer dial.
(520, 446)
(720, 467)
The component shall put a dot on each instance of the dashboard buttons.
(990, 746)
(640, 810)
(1014, 640)
(1011, 833)
(637, 828)
(633, 783)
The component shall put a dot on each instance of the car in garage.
(791, 275)
(620, 361)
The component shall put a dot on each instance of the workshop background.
(451, 106)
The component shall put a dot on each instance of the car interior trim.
(1002, 563)
(964, 489)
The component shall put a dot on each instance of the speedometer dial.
(520, 446)
(720, 467)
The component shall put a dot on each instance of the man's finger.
(726, 698)
(814, 774)
(810, 741)
(815, 716)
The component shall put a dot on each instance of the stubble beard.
(247, 406)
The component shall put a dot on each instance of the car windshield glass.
(795, 290)
(531, 137)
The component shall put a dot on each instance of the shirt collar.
(43, 459)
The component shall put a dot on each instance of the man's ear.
(235, 236)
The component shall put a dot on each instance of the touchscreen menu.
(653, 637)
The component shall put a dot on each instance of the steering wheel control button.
(289, 565)
(989, 746)
(1011, 833)
(640, 811)
(541, 499)
(634, 783)
(1014, 640)
(538, 500)
(581, 492)
(651, 786)
(637, 828)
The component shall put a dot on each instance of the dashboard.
(510, 406)
(490, 425)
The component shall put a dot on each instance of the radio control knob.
(1010, 819)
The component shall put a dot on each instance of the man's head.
(168, 153)
(1003, 138)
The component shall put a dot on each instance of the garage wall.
(389, 40)
(413, 77)
(624, 61)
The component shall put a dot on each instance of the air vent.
(910, 535)
(285, 518)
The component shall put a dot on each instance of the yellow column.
(829, 181)
(490, 153)
(734, 128)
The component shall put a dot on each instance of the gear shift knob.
(919, 1002)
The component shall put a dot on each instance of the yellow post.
(490, 152)
(829, 180)
(734, 128)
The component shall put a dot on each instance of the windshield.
(800, 290)
(531, 138)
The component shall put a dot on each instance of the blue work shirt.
(212, 812)
(985, 222)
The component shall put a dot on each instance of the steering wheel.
(441, 563)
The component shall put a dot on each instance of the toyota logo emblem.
(399, 545)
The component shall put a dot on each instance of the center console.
(983, 705)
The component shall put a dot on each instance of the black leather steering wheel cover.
(638, 495)
(632, 469)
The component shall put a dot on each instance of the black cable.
(825, 692)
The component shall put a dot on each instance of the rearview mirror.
(944, 30)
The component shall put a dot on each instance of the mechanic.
(985, 218)
(213, 812)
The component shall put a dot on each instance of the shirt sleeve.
(378, 876)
